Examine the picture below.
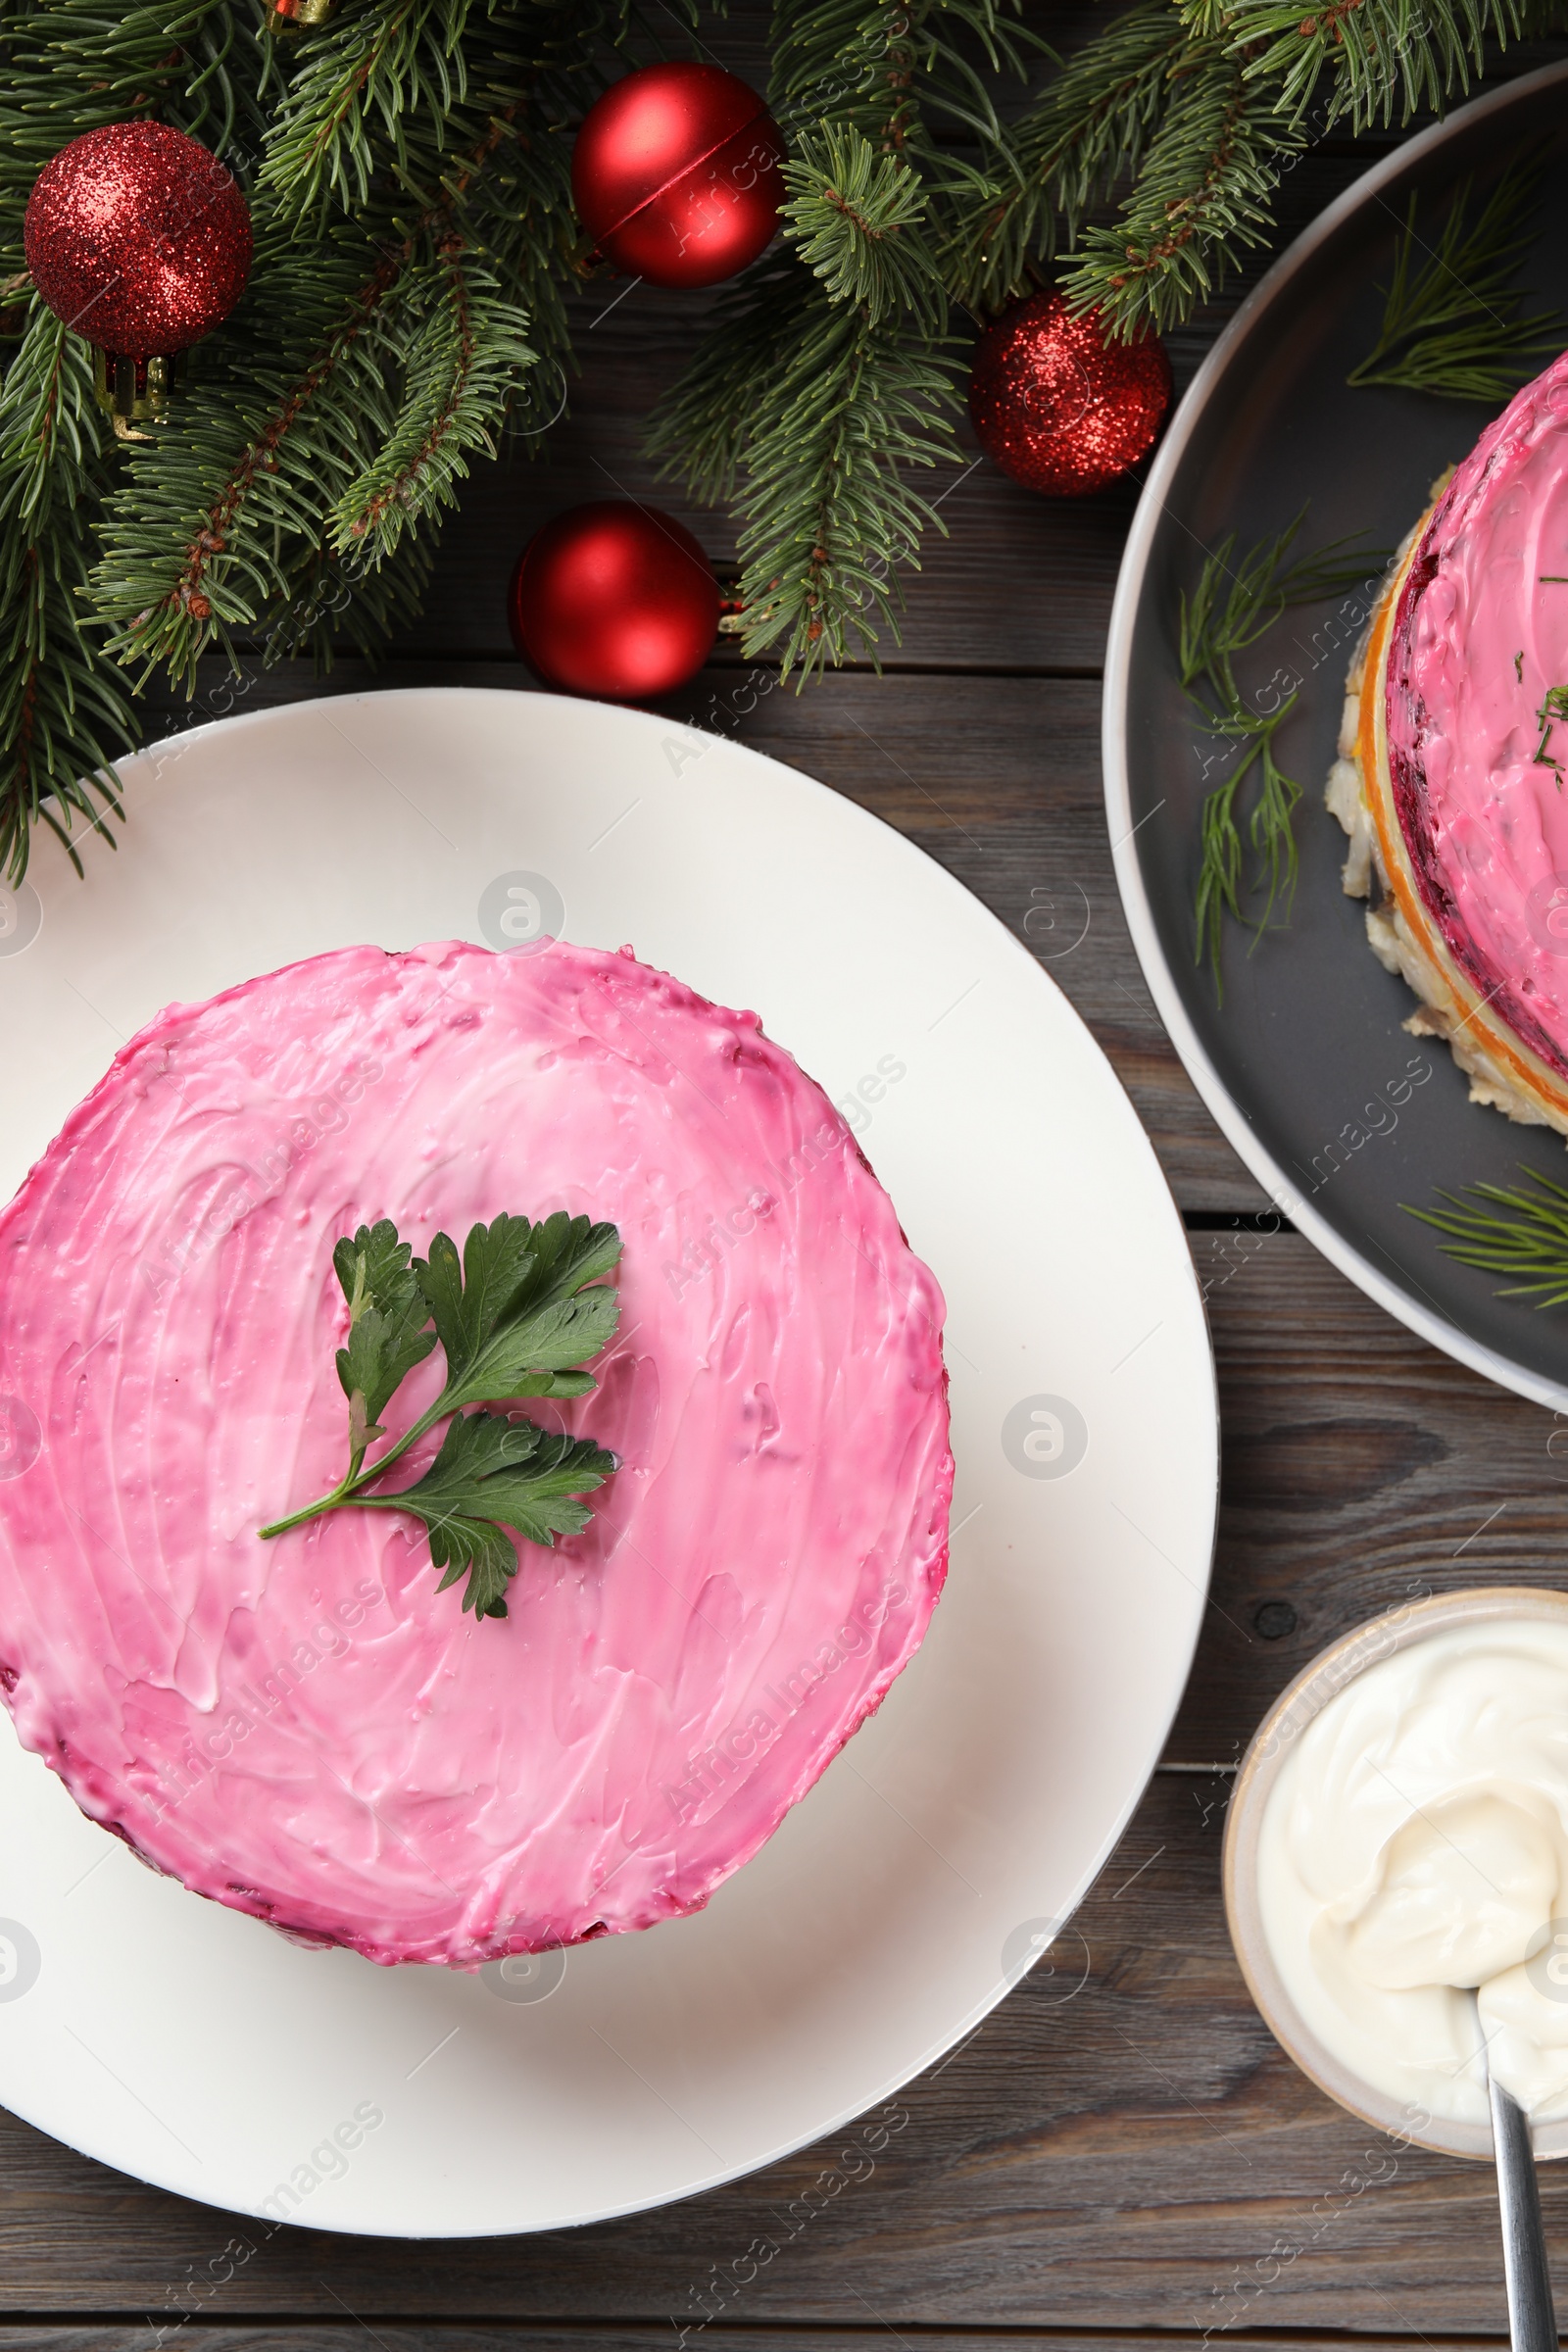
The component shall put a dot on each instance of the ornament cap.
(135, 392)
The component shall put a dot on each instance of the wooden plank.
(997, 778)
(1121, 2145)
(1360, 1467)
(500, 2335)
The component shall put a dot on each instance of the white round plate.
(193, 2046)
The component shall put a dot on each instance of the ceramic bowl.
(1363, 1647)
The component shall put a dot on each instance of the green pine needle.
(855, 216)
(822, 387)
(65, 716)
(1451, 323)
(294, 496)
(463, 359)
(1367, 61)
(362, 75)
(839, 410)
(1202, 203)
(1039, 181)
(887, 70)
(1524, 1235)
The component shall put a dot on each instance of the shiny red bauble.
(1058, 406)
(138, 237)
(675, 175)
(614, 600)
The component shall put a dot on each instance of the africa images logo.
(1045, 1437)
(21, 917)
(21, 1437)
(519, 913)
(20, 1960)
(1546, 1965)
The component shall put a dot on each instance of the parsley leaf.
(388, 1327)
(492, 1470)
(517, 1315)
(509, 1318)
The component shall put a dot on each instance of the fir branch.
(1451, 323)
(829, 515)
(206, 533)
(457, 374)
(855, 217)
(705, 424)
(308, 419)
(1529, 1241)
(820, 407)
(1039, 181)
(882, 67)
(821, 393)
(63, 714)
(372, 65)
(1202, 201)
(329, 600)
(1377, 55)
(835, 409)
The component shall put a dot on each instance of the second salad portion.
(1453, 753)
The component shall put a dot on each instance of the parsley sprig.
(517, 1316)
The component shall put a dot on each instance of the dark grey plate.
(1306, 1065)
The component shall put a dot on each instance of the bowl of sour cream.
(1396, 1868)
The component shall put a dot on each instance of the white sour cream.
(1415, 1844)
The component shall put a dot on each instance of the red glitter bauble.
(1060, 408)
(616, 601)
(675, 175)
(139, 238)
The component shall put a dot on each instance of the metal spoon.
(1531, 2319)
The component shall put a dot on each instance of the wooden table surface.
(1138, 2158)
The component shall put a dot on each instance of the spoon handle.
(1531, 2319)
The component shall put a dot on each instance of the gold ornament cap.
(135, 392)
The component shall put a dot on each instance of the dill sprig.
(1553, 707)
(1530, 1241)
(1269, 827)
(1453, 323)
(1237, 600)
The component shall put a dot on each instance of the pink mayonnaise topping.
(305, 1729)
(1479, 638)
